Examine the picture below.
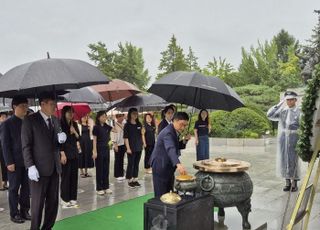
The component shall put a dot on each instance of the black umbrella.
(197, 90)
(54, 75)
(85, 94)
(143, 102)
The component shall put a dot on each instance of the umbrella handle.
(190, 118)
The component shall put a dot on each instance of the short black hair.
(17, 100)
(46, 96)
(181, 116)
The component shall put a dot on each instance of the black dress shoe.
(294, 189)
(17, 219)
(25, 215)
(286, 188)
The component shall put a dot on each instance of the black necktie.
(50, 126)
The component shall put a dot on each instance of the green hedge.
(240, 123)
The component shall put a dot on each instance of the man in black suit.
(165, 156)
(12, 152)
(40, 146)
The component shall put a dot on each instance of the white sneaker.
(66, 204)
(108, 191)
(73, 202)
(1, 209)
(122, 178)
(101, 192)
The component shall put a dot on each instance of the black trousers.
(147, 154)
(133, 165)
(118, 161)
(69, 180)
(162, 185)
(19, 194)
(44, 192)
(102, 171)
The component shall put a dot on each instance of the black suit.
(163, 123)
(40, 148)
(12, 153)
(2, 163)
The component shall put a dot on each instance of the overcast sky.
(213, 28)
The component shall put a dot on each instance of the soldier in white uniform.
(287, 159)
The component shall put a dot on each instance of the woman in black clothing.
(201, 133)
(148, 138)
(101, 153)
(4, 172)
(69, 158)
(85, 157)
(132, 134)
(167, 112)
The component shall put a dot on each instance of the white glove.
(280, 103)
(62, 137)
(33, 173)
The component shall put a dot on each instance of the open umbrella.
(85, 94)
(80, 109)
(143, 102)
(55, 75)
(197, 90)
(116, 89)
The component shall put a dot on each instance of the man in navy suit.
(165, 156)
(12, 152)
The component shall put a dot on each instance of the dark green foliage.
(126, 63)
(224, 70)
(240, 123)
(304, 147)
(191, 61)
(272, 63)
(173, 59)
(261, 97)
(283, 41)
(306, 123)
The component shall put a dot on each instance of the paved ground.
(269, 202)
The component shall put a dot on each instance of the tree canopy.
(126, 63)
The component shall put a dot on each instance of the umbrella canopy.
(197, 90)
(80, 109)
(85, 94)
(116, 89)
(55, 75)
(143, 102)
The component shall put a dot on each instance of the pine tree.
(283, 41)
(191, 61)
(102, 58)
(310, 55)
(172, 59)
(126, 63)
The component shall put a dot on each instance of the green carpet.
(127, 215)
